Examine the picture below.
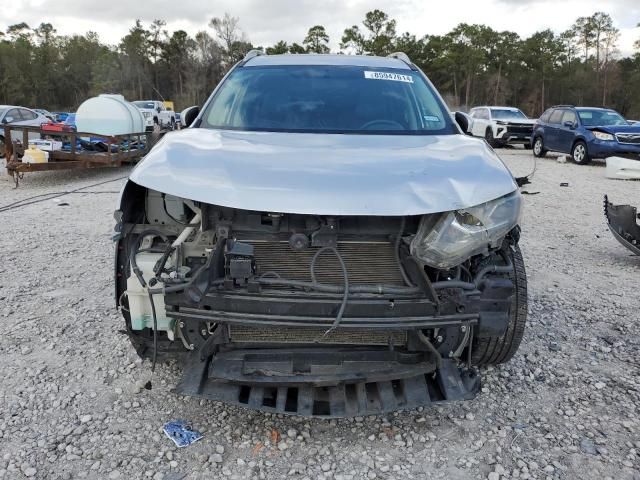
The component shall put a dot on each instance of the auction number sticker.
(395, 77)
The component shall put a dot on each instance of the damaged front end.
(623, 223)
(317, 314)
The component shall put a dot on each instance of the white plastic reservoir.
(109, 115)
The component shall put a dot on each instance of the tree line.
(470, 65)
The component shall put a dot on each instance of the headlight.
(458, 235)
(146, 114)
(602, 135)
(501, 122)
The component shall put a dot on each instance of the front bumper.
(514, 134)
(302, 370)
(365, 396)
(604, 149)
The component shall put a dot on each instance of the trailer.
(77, 150)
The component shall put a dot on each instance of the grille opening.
(351, 393)
(398, 390)
(372, 392)
(291, 404)
(243, 396)
(270, 396)
(434, 392)
(321, 407)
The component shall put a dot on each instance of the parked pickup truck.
(155, 113)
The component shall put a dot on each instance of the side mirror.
(158, 109)
(569, 124)
(462, 120)
(188, 115)
(6, 120)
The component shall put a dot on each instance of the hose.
(345, 276)
(396, 250)
(423, 338)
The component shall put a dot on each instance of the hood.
(325, 174)
(613, 129)
(519, 121)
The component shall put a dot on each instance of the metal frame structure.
(75, 158)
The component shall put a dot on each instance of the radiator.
(368, 263)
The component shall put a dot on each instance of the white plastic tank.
(109, 115)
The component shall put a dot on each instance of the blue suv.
(585, 133)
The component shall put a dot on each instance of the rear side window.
(27, 114)
(545, 116)
(556, 116)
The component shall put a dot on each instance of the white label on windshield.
(396, 77)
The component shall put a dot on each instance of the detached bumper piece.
(304, 383)
(622, 221)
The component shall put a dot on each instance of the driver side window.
(14, 113)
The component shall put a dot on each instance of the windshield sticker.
(395, 77)
(431, 118)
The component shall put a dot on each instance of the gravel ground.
(71, 403)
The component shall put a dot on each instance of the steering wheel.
(389, 123)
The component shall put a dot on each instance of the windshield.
(144, 104)
(592, 118)
(507, 114)
(327, 99)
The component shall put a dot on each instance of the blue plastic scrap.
(181, 433)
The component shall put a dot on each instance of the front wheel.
(494, 350)
(580, 154)
(3, 148)
(488, 136)
(538, 147)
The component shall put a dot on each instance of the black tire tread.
(495, 350)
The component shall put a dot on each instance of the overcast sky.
(267, 21)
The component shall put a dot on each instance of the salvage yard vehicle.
(322, 240)
(155, 113)
(501, 126)
(19, 116)
(585, 133)
(623, 223)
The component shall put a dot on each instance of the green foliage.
(317, 40)
(470, 65)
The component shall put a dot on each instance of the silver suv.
(323, 240)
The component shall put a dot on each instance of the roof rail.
(565, 106)
(252, 53)
(402, 57)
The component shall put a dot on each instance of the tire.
(488, 136)
(580, 154)
(538, 147)
(173, 124)
(3, 149)
(495, 350)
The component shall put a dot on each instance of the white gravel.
(71, 406)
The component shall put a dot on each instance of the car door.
(551, 139)
(566, 131)
(480, 122)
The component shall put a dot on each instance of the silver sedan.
(10, 114)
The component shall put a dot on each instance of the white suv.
(501, 126)
(155, 113)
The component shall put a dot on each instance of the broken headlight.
(460, 234)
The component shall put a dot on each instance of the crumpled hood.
(613, 129)
(325, 174)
